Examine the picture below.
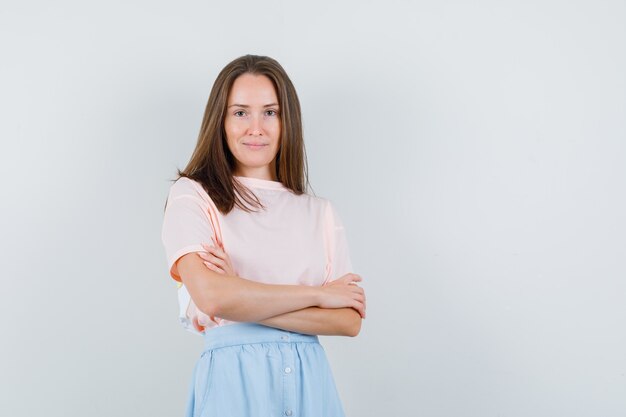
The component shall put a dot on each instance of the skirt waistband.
(245, 332)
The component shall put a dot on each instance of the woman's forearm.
(241, 299)
(319, 321)
(238, 299)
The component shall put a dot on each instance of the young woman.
(263, 267)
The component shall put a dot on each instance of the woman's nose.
(255, 127)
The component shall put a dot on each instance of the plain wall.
(475, 151)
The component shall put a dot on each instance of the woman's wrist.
(316, 296)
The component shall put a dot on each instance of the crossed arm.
(344, 321)
(289, 307)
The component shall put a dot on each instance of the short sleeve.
(339, 261)
(186, 223)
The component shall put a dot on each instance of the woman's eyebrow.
(246, 106)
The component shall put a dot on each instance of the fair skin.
(310, 320)
(252, 118)
(252, 126)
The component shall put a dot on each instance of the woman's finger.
(359, 307)
(351, 278)
(216, 243)
(361, 299)
(217, 256)
(217, 252)
(211, 257)
(356, 289)
(216, 260)
(208, 248)
(214, 268)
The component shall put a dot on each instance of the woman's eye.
(239, 111)
(273, 112)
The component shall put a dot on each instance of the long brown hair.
(212, 164)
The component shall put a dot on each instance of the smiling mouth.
(255, 146)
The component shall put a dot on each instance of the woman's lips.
(252, 146)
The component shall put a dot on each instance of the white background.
(475, 150)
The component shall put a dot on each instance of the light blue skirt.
(252, 370)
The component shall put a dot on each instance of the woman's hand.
(340, 293)
(217, 259)
(344, 292)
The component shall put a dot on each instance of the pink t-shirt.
(295, 240)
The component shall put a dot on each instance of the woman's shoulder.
(325, 209)
(308, 199)
(187, 187)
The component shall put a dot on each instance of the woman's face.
(252, 125)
